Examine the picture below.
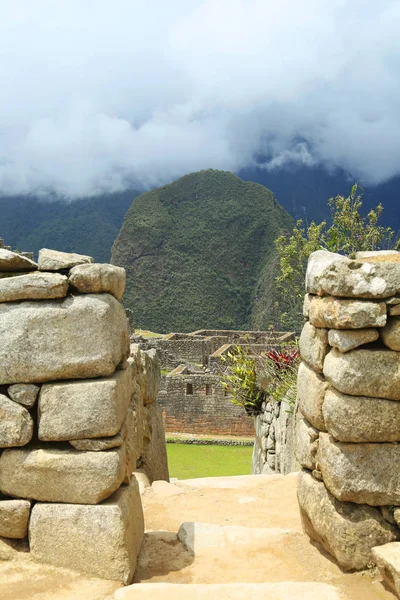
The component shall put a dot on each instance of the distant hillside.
(195, 252)
(86, 225)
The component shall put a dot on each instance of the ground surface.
(254, 501)
(190, 460)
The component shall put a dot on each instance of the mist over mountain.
(135, 94)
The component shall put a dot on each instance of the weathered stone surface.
(339, 313)
(364, 372)
(151, 375)
(375, 254)
(34, 286)
(336, 275)
(58, 474)
(287, 590)
(16, 424)
(306, 305)
(53, 260)
(154, 457)
(11, 261)
(98, 278)
(93, 408)
(131, 443)
(313, 345)
(311, 389)
(394, 311)
(360, 473)
(98, 444)
(345, 530)
(391, 334)
(102, 541)
(348, 339)
(361, 419)
(387, 559)
(396, 515)
(306, 443)
(14, 517)
(24, 393)
(76, 338)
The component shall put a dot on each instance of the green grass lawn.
(187, 461)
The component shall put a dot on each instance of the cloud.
(100, 96)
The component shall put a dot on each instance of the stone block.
(101, 541)
(394, 310)
(16, 424)
(93, 408)
(53, 260)
(58, 474)
(313, 345)
(306, 443)
(364, 372)
(336, 275)
(360, 419)
(33, 286)
(391, 334)
(360, 473)
(11, 261)
(339, 313)
(76, 338)
(98, 279)
(14, 517)
(348, 339)
(154, 457)
(387, 559)
(311, 389)
(151, 375)
(347, 531)
(24, 393)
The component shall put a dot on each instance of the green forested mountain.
(200, 252)
(86, 225)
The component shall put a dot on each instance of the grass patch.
(188, 461)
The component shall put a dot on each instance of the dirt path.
(267, 502)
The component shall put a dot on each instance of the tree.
(348, 233)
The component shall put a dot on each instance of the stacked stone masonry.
(348, 430)
(77, 412)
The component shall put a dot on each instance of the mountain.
(304, 191)
(196, 250)
(86, 225)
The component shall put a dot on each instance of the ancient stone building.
(191, 395)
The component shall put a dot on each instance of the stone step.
(232, 482)
(198, 537)
(229, 591)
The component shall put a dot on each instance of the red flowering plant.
(281, 367)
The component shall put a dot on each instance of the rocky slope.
(197, 251)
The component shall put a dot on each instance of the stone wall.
(274, 444)
(73, 414)
(348, 432)
(196, 403)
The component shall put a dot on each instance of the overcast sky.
(100, 95)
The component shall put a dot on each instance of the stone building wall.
(197, 404)
(274, 444)
(76, 414)
(348, 431)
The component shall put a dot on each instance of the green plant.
(348, 233)
(282, 366)
(240, 380)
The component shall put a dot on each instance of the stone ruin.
(348, 430)
(77, 415)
